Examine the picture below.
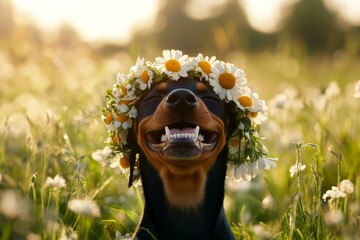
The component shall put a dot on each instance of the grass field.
(50, 124)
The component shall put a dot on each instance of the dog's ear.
(135, 149)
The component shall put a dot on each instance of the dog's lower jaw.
(184, 191)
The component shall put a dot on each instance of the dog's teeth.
(163, 138)
(196, 133)
(167, 133)
(200, 138)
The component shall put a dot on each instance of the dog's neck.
(167, 222)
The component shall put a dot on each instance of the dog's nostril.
(172, 99)
(181, 100)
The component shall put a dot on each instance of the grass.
(50, 125)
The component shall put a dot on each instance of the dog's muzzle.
(183, 139)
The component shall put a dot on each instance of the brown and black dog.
(181, 135)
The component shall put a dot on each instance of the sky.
(114, 20)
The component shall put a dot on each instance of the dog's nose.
(181, 100)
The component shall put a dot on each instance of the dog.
(180, 133)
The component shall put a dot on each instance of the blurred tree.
(314, 26)
(214, 35)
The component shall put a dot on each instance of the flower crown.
(246, 153)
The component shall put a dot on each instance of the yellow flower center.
(145, 76)
(234, 142)
(123, 89)
(205, 66)
(227, 80)
(253, 114)
(109, 118)
(246, 101)
(173, 65)
(116, 139)
(122, 118)
(124, 162)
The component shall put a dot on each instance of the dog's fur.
(183, 180)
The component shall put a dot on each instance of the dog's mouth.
(181, 136)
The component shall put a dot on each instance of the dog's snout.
(181, 100)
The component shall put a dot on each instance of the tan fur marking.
(184, 181)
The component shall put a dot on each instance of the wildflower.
(357, 89)
(101, 155)
(72, 235)
(334, 193)
(226, 80)
(118, 236)
(204, 65)
(142, 74)
(296, 168)
(347, 186)
(334, 217)
(173, 63)
(332, 90)
(56, 183)
(12, 206)
(238, 173)
(266, 163)
(84, 207)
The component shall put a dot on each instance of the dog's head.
(175, 112)
(180, 127)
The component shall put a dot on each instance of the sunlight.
(265, 16)
(94, 20)
(348, 10)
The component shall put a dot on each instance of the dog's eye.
(211, 99)
(152, 98)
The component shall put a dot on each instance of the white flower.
(173, 63)
(101, 155)
(238, 173)
(13, 206)
(266, 163)
(357, 89)
(122, 120)
(204, 65)
(332, 90)
(142, 74)
(119, 236)
(347, 186)
(334, 193)
(294, 169)
(125, 87)
(227, 80)
(56, 183)
(334, 217)
(71, 236)
(84, 207)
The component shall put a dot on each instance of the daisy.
(119, 137)
(122, 120)
(56, 183)
(84, 207)
(173, 63)
(120, 162)
(142, 74)
(125, 87)
(234, 145)
(226, 80)
(204, 64)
